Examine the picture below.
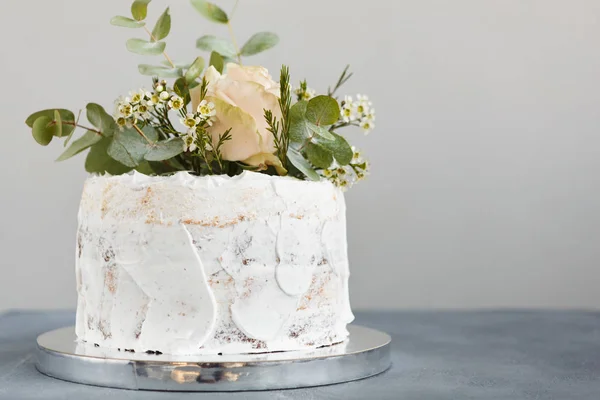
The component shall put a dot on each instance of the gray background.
(485, 187)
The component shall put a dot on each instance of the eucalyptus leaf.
(163, 26)
(258, 43)
(144, 47)
(101, 119)
(195, 70)
(42, 130)
(318, 156)
(98, 161)
(213, 43)
(162, 72)
(58, 124)
(320, 131)
(210, 11)
(165, 149)
(299, 126)
(182, 88)
(125, 22)
(65, 116)
(341, 150)
(88, 139)
(177, 64)
(145, 168)
(302, 164)
(139, 9)
(322, 110)
(129, 147)
(216, 60)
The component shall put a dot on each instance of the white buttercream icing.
(186, 264)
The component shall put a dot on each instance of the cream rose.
(240, 97)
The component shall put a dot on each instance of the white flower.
(305, 94)
(370, 115)
(363, 105)
(367, 125)
(136, 97)
(164, 96)
(159, 88)
(154, 99)
(176, 102)
(142, 110)
(206, 110)
(348, 111)
(189, 143)
(190, 122)
(125, 110)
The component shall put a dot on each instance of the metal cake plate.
(365, 353)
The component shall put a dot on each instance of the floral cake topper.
(215, 117)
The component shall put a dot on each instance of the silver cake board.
(364, 354)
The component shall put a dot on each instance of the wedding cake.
(213, 220)
(185, 264)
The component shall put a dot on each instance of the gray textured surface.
(436, 355)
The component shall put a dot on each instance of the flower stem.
(164, 52)
(235, 45)
(142, 134)
(82, 127)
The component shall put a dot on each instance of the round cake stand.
(365, 353)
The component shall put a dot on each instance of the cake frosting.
(215, 264)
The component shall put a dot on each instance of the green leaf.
(177, 64)
(182, 89)
(323, 110)
(145, 168)
(318, 156)
(302, 164)
(65, 116)
(98, 161)
(125, 22)
(88, 139)
(139, 9)
(341, 150)
(145, 48)
(213, 43)
(58, 124)
(258, 43)
(165, 149)
(162, 72)
(195, 69)
(320, 131)
(129, 147)
(42, 131)
(163, 26)
(299, 128)
(216, 60)
(210, 11)
(101, 119)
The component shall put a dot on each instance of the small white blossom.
(206, 109)
(164, 96)
(125, 110)
(176, 102)
(367, 125)
(348, 111)
(136, 97)
(142, 110)
(190, 122)
(154, 99)
(189, 143)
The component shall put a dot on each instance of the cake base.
(365, 353)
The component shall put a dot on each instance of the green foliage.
(195, 70)
(98, 161)
(163, 26)
(144, 47)
(341, 80)
(182, 88)
(339, 148)
(139, 9)
(129, 147)
(43, 131)
(259, 42)
(58, 124)
(125, 22)
(213, 43)
(322, 110)
(101, 119)
(210, 11)
(162, 72)
(216, 61)
(164, 150)
(299, 125)
(66, 116)
(88, 139)
(318, 156)
(302, 164)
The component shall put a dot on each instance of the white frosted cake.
(207, 265)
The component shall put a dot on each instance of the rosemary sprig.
(285, 103)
